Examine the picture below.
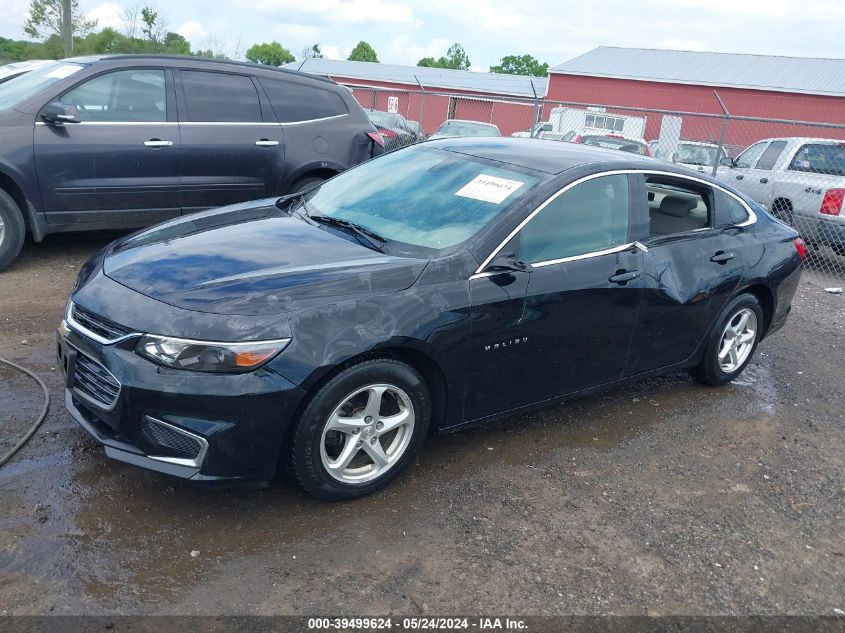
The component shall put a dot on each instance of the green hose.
(41, 417)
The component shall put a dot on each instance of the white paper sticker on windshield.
(63, 71)
(489, 188)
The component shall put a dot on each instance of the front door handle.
(740, 177)
(764, 180)
(721, 257)
(265, 142)
(622, 277)
(155, 142)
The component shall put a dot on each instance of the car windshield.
(467, 128)
(384, 119)
(610, 142)
(423, 197)
(19, 89)
(696, 154)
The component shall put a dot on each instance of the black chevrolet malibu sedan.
(437, 286)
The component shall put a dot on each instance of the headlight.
(207, 355)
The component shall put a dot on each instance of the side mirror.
(507, 262)
(58, 113)
(724, 161)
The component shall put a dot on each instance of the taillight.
(388, 133)
(577, 138)
(376, 138)
(800, 247)
(832, 202)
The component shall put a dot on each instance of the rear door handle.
(622, 277)
(264, 142)
(764, 180)
(722, 257)
(154, 142)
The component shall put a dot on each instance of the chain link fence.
(793, 168)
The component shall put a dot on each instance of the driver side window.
(590, 217)
(750, 156)
(128, 96)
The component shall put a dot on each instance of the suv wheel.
(360, 430)
(309, 182)
(12, 229)
(732, 341)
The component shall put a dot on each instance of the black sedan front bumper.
(197, 426)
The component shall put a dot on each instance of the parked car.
(697, 155)
(333, 330)
(800, 180)
(609, 140)
(416, 128)
(16, 69)
(457, 127)
(394, 128)
(122, 141)
(536, 130)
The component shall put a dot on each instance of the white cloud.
(342, 11)
(107, 14)
(194, 32)
(403, 51)
(330, 51)
(685, 45)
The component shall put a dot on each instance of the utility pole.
(67, 31)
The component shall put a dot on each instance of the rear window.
(384, 119)
(820, 158)
(464, 128)
(293, 102)
(220, 97)
(622, 144)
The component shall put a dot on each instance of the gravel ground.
(664, 497)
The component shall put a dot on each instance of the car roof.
(194, 61)
(551, 157)
(469, 121)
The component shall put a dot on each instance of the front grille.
(94, 382)
(102, 327)
(168, 436)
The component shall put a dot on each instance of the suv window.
(220, 97)
(771, 155)
(592, 216)
(677, 207)
(749, 157)
(820, 158)
(293, 102)
(123, 96)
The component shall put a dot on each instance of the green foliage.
(45, 19)
(521, 65)
(19, 50)
(456, 58)
(149, 17)
(269, 53)
(363, 52)
(316, 52)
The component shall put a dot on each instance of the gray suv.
(125, 141)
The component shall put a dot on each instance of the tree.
(152, 28)
(45, 19)
(175, 44)
(363, 52)
(456, 58)
(312, 51)
(271, 54)
(521, 65)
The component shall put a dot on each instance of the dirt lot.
(660, 498)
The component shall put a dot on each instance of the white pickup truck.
(799, 180)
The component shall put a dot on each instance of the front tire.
(360, 430)
(733, 341)
(12, 229)
(304, 184)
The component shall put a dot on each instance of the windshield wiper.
(372, 238)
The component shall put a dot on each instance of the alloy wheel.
(367, 433)
(2, 230)
(737, 340)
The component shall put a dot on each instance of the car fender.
(25, 193)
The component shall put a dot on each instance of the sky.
(403, 31)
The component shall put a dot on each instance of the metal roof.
(494, 83)
(807, 75)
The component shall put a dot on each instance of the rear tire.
(732, 343)
(12, 229)
(360, 430)
(309, 182)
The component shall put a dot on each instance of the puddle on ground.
(126, 535)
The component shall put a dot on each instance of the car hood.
(252, 259)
